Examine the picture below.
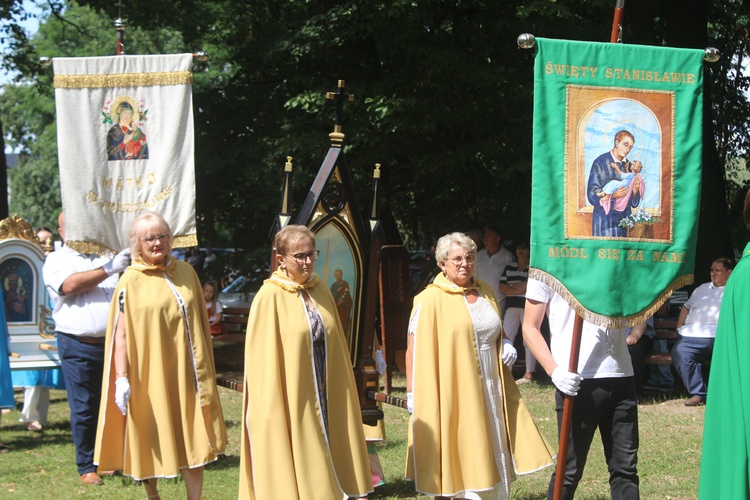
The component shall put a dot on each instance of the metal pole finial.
(526, 41)
(120, 26)
(712, 55)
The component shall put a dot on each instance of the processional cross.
(337, 137)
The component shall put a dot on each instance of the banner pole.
(120, 26)
(567, 414)
(616, 35)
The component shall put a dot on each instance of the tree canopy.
(443, 98)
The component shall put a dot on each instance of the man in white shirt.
(81, 286)
(492, 260)
(603, 387)
(696, 327)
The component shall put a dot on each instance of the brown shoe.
(695, 401)
(91, 478)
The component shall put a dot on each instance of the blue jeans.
(82, 365)
(688, 356)
(610, 405)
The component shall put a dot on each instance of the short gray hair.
(445, 243)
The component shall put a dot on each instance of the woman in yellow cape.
(302, 432)
(160, 414)
(470, 432)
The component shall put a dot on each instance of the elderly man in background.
(492, 260)
(696, 327)
(81, 286)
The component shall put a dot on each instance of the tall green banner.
(616, 175)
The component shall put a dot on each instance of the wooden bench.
(235, 324)
(666, 329)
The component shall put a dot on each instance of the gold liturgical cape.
(174, 417)
(285, 452)
(450, 441)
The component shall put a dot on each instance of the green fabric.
(725, 472)
(585, 93)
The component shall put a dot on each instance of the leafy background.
(443, 102)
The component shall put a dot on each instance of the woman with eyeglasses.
(160, 414)
(469, 426)
(302, 433)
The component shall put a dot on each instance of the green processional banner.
(616, 175)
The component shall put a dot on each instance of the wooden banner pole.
(567, 414)
(616, 35)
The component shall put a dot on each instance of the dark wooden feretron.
(349, 252)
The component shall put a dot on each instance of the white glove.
(510, 355)
(118, 263)
(122, 394)
(567, 382)
(410, 402)
(380, 363)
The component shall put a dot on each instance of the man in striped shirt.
(513, 285)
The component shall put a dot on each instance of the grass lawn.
(42, 465)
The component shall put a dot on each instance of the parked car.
(239, 293)
(181, 253)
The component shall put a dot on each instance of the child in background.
(210, 292)
(374, 434)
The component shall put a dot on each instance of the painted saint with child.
(615, 187)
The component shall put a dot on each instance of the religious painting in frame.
(25, 296)
(339, 235)
(18, 281)
(338, 271)
(619, 164)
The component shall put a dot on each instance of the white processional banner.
(125, 146)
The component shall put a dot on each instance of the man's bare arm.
(532, 334)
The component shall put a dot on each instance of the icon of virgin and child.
(126, 140)
(615, 187)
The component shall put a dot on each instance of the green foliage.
(730, 82)
(443, 97)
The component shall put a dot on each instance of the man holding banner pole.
(81, 286)
(614, 272)
(604, 391)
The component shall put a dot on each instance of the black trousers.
(608, 404)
